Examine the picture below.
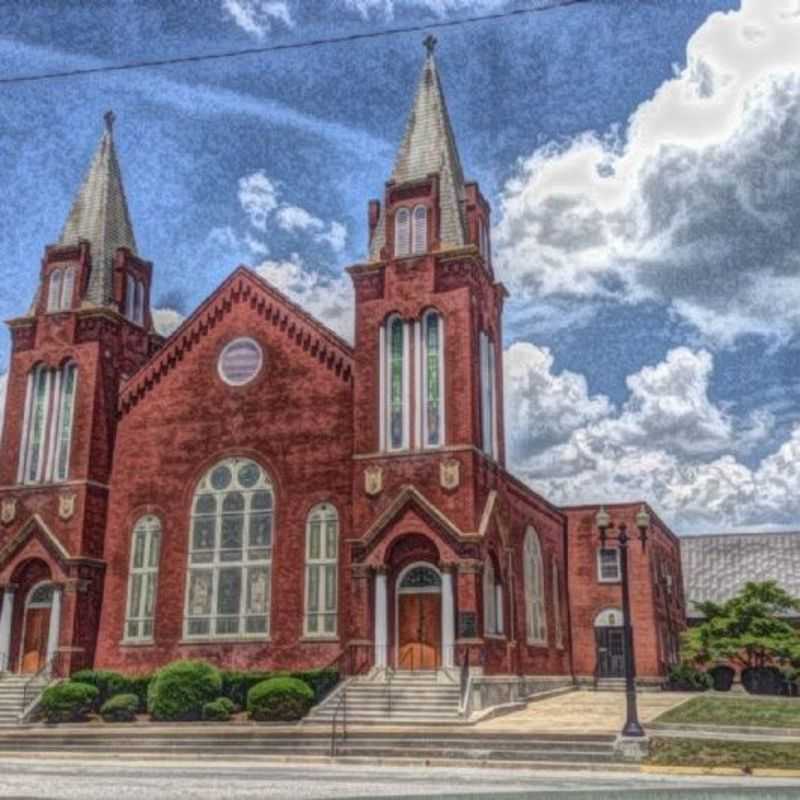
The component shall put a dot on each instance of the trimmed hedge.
(179, 691)
(321, 681)
(282, 698)
(68, 701)
(218, 710)
(685, 678)
(120, 708)
(109, 684)
(236, 685)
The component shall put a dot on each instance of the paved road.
(41, 777)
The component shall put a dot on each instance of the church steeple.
(100, 215)
(429, 148)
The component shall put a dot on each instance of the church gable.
(307, 338)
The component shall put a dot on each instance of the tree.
(750, 629)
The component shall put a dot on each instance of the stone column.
(6, 614)
(381, 619)
(55, 625)
(448, 616)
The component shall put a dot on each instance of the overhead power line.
(251, 51)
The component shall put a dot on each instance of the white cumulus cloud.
(166, 320)
(258, 196)
(694, 204)
(257, 17)
(440, 8)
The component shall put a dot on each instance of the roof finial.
(430, 43)
(109, 117)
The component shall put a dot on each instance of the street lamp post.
(620, 535)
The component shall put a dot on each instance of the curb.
(659, 769)
(752, 730)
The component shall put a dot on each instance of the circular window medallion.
(240, 362)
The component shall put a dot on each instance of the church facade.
(257, 492)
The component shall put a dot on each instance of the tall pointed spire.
(429, 146)
(100, 214)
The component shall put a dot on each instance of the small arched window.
(402, 232)
(67, 287)
(396, 383)
(432, 383)
(322, 548)
(535, 620)
(492, 601)
(47, 424)
(143, 579)
(420, 230)
(54, 291)
(230, 553)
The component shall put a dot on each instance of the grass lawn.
(712, 753)
(778, 712)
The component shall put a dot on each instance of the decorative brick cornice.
(242, 286)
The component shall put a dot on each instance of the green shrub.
(120, 708)
(686, 678)
(181, 689)
(236, 685)
(69, 701)
(281, 698)
(321, 681)
(219, 710)
(106, 682)
(138, 685)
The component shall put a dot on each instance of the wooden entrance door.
(610, 652)
(34, 643)
(420, 631)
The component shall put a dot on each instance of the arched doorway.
(36, 628)
(610, 640)
(419, 617)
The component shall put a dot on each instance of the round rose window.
(240, 362)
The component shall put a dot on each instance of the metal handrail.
(389, 679)
(341, 705)
(45, 669)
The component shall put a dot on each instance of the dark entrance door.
(34, 645)
(610, 652)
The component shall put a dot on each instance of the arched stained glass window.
(535, 620)
(143, 578)
(322, 548)
(230, 553)
(396, 371)
(402, 232)
(420, 231)
(488, 395)
(421, 577)
(432, 380)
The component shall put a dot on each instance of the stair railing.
(31, 688)
(341, 707)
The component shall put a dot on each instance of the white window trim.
(67, 288)
(153, 527)
(419, 232)
(327, 513)
(423, 381)
(386, 403)
(600, 578)
(403, 244)
(54, 290)
(534, 604)
(216, 563)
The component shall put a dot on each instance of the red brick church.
(260, 493)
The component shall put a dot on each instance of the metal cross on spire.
(109, 117)
(430, 43)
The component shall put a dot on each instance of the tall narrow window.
(396, 372)
(608, 565)
(139, 304)
(535, 620)
(432, 380)
(54, 291)
(47, 424)
(420, 233)
(230, 553)
(130, 298)
(556, 572)
(488, 403)
(492, 601)
(67, 288)
(402, 232)
(143, 579)
(322, 547)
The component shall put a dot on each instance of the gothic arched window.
(47, 424)
(488, 396)
(395, 380)
(67, 288)
(230, 553)
(322, 548)
(143, 578)
(535, 620)
(492, 601)
(54, 291)
(420, 230)
(402, 232)
(432, 383)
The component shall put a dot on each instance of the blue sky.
(640, 157)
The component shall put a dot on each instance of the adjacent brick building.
(258, 492)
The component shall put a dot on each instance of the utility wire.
(354, 37)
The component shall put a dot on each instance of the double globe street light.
(619, 533)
